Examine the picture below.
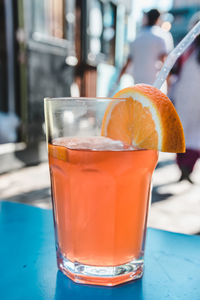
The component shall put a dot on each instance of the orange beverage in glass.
(100, 192)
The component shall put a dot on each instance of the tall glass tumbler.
(100, 193)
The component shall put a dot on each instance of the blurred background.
(55, 48)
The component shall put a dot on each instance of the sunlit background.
(55, 48)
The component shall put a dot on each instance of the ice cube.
(97, 143)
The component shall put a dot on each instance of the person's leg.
(186, 162)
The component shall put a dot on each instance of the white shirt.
(145, 50)
(166, 35)
(186, 96)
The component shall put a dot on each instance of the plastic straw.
(174, 55)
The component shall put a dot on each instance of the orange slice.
(145, 119)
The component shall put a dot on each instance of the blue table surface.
(28, 263)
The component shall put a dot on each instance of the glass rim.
(54, 99)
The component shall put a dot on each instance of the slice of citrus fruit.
(145, 119)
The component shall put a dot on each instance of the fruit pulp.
(100, 199)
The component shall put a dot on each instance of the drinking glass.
(100, 193)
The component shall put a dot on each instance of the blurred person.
(149, 49)
(186, 97)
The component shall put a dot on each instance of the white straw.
(174, 55)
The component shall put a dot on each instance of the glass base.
(106, 276)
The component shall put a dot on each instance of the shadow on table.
(165, 163)
(32, 197)
(72, 290)
(157, 196)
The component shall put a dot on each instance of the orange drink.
(101, 200)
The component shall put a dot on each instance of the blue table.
(28, 263)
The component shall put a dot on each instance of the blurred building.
(182, 12)
(182, 3)
(51, 48)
